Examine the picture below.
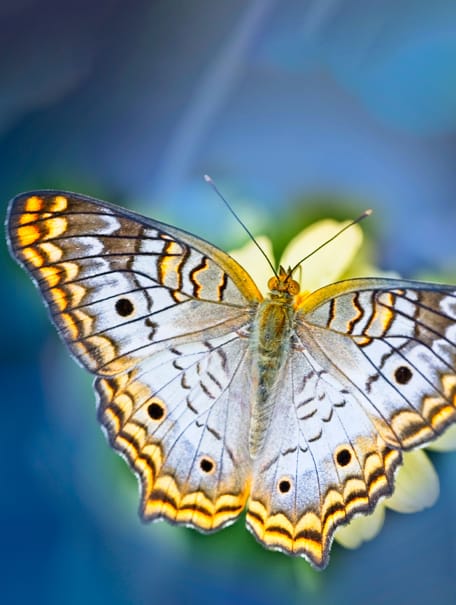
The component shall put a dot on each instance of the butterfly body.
(271, 339)
(295, 405)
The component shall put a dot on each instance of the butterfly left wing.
(120, 286)
(159, 316)
(372, 373)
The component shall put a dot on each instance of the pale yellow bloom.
(328, 265)
(417, 484)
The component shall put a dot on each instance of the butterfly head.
(283, 283)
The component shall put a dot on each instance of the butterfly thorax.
(270, 342)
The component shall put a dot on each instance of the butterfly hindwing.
(181, 419)
(323, 462)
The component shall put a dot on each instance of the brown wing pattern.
(397, 343)
(121, 287)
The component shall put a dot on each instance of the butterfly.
(296, 406)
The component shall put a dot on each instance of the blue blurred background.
(298, 110)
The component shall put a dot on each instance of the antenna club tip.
(207, 178)
(368, 212)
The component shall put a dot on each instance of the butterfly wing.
(181, 420)
(324, 461)
(372, 373)
(119, 286)
(158, 316)
(395, 344)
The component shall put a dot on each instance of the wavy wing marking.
(396, 346)
(323, 462)
(121, 287)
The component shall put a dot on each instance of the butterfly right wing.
(372, 373)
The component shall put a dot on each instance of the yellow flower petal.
(361, 529)
(327, 265)
(417, 484)
(446, 442)
(250, 258)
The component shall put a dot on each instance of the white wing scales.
(323, 462)
(119, 288)
(187, 407)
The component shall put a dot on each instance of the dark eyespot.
(155, 411)
(284, 486)
(207, 465)
(403, 374)
(343, 457)
(124, 307)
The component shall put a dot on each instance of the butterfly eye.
(293, 287)
(284, 486)
(343, 457)
(207, 465)
(273, 283)
(156, 410)
(403, 374)
(124, 307)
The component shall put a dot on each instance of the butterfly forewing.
(396, 343)
(120, 288)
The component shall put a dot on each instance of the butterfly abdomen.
(270, 346)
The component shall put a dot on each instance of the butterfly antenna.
(208, 179)
(361, 217)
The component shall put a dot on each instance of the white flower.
(416, 484)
